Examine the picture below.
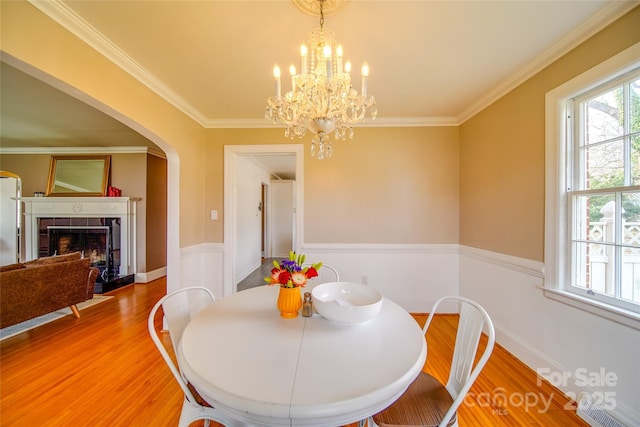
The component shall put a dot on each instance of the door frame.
(231, 153)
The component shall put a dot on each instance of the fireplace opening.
(96, 238)
(94, 242)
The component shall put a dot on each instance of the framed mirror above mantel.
(73, 176)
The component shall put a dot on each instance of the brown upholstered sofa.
(44, 285)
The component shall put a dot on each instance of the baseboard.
(150, 276)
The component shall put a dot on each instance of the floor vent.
(595, 416)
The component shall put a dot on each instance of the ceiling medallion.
(312, 7)
(322, 98)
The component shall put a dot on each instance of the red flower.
(284, 277)
(311, 273)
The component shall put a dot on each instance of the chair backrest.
(179, 307)
(326, 274)
(473, 319)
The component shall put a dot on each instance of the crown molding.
(606, 16)
(82, 150)
(62, 14)
(379, 122)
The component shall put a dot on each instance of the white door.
(282, 217)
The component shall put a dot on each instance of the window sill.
(618, 315)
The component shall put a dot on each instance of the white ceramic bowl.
(346, 302)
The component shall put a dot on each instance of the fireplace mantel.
(123, 208)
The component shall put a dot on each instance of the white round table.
(265, 370)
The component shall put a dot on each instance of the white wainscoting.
(556, 338)
(203, 265)
(412, 275)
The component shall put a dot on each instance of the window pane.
(595, 267)
(630, 286)
(604, 116)
(604, 165)
(631, 211)
(634, 98)
(594, 217)
(635, 158)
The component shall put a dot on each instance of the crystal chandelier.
(322, 98)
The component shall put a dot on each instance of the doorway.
(235, 155)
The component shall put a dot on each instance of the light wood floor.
(103, 370)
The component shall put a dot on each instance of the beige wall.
(156, 218)
(384, 186)
(502, 152)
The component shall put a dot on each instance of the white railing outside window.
(598, 272)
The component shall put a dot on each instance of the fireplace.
(95, 241)
(102, 228)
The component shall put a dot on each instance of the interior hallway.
(256, 278)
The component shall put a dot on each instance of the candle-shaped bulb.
(276, 74)
(327, 51)
(365, 73)
(292, 71)
(365, 69)
(327, 57)
(347, 67)
(339, 58)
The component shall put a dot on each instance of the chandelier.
(322, 98)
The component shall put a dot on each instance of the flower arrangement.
(290, 273)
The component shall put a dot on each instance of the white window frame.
(557, 221)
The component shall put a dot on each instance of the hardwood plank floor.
(103, 370)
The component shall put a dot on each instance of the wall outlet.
(364, 279)
(214, 215)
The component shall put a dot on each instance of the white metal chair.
(429, 403)
(326, 274)
(179, 307)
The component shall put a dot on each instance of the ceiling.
(432, 62)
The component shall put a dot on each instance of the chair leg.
(74, 310)
(189, 414)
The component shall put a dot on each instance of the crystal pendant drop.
(329, 149)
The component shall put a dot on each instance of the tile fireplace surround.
(123, 208)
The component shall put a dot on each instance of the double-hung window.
(592, 213)
(603, 176)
